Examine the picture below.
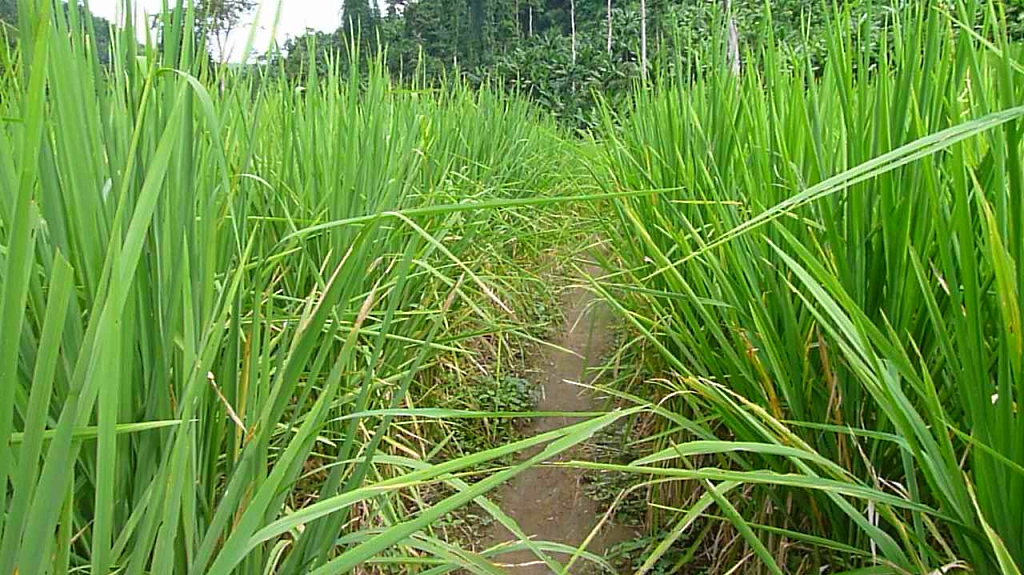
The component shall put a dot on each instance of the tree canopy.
(560, 52)
(217, 19)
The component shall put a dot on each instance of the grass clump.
(828, 270)
(217, 292)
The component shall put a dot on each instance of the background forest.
(560, 53)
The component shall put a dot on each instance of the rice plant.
(217, 290)
(828, 265)
(225, 293)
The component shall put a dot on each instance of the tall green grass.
(217, 290)
(831, 272)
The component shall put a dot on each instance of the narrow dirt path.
(549, 503)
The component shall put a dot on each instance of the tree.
(643, 38)
(218, 18)
(733, 56)
(609, 13)
(396, 7)
(572, 19)
(359, 17)
(478, 25)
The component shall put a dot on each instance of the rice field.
(243, 314)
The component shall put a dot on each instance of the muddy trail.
(549, 503)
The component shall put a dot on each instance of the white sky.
(296, 17)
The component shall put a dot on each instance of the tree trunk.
(519, 21)
(531, 20)
(643, 38)
(609, 27)
(478, 23)
(572, 19)
(733, 49)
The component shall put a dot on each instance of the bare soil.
(549, 503)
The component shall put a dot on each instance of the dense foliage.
(562, 53)
(829, 273)
(248, 312)
(210, 290)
